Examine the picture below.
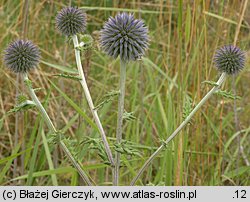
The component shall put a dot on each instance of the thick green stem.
(182, 125)
(89, 100)
(53, 129)
(120, 120)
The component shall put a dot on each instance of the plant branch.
(181, 126)
(53, 129)
(89, 100)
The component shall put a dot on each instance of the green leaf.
(223, 18)
(31, 141)
(1, 123)
(28, 104)
(7, 166)
(59, 171)
(150, 64)
(21, 98)
(74, 179)
(109, 97)
(128, 148)
(188, 106)
(67, 76)
(237, 172)
(128, 116)
(228, 95)
(96, 144)
(13, 156)
(47, 172)
(212, 83)
(75, 106)
(49, 158)
(33, 159)
(61, 68)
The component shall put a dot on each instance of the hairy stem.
(90, 102)
(53, 129)
(120, 120)
(181, 126)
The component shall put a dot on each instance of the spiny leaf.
(127, 148)
(71, 145)
(28, 104)
(227, 94)
(107, 98)
(55, 138)
(68, 76)
(96, 144)
(21, 98)
(86, 42)
(212, 83)
(28, 83)
(128, 116)
(112, 93)
(187, 108)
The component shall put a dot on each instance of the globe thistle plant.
(229, 59)
(21, 56)
(124, 36)
(71, 21)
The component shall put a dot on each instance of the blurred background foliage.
(160, 90)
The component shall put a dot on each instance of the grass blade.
(75, 106)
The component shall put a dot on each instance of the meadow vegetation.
(161, 90)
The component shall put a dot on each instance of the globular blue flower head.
(71, 21)
(229, 59)
(21, 56)
(124, 36)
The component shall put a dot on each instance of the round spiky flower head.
(124, 36)
(21, 56)
(229, 59)
(71, 21)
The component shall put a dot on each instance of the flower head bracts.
(229, 59)
(21, 56)
(124, 36)
(71, 21)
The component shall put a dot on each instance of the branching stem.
(89, 100)
(181, 126)
(53, 129)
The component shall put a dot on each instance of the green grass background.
(183, 38)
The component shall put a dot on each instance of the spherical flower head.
(71, 21)
(21, 56)
(124, 36)
(229, 59)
